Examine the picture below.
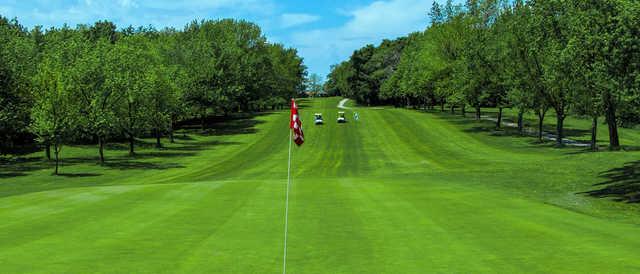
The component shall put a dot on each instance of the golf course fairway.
(399, 191)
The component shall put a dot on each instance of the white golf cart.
(318, 120)
(341, 117)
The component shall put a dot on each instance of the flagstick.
(286, 207)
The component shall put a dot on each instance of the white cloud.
(367, 25)
(321, 47)
(160, 13)
(288, 20)
(384, 18)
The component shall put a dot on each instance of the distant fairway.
(400, 191)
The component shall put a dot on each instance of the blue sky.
(324, 32)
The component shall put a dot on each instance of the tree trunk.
(158, 144)
(56, 152)
(521, 121)
(463, 111)
(203, 117)
(453, 109)
(131, 145)
(499, 122)
(171, 125)
(442, 107)
(541, 115)
(560, 129)
(47, 150)
(612, 123)
(478, 113)
(101, 148)
(594, 133)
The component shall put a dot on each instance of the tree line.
(96, 83)
(577, 57)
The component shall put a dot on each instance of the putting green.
(399, 191)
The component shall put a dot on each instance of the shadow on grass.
(22, 150)
(79, 175)
(232, 124)
(234, 127)
(573, 138)
(194, 147)
(182, 136)
(11, 174)
(21, 166)
(129, 165)
(602, 147)
(303, 103)
(622, 184)
(122, 145)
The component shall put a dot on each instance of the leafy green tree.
(338, 80)
(286, 75)
(627, 72)
(55, 111)
(549, 28)
(524, 72)
(102, 30)
(133, 82)
(16, 67)
(362, 77)
(161, 97)
(436, 14)
(128, 65)
(620, 35)
(99, 101)
(314, 84)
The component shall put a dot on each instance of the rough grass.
(400, 191)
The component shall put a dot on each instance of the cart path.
(545, 135)
(341, 104)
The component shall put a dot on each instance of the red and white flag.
(296, 124)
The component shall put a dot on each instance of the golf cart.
(318, 119)
(341, 117)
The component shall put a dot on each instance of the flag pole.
(286, 207)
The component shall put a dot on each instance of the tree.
(102, 30)
(525, 73)
(549, 28)
(621, 36)
(99, 101)
(362, 77)
(17, 64)
(128, 64)
(436, 14)
(161, 96)
(135, 82)
(287, 75)
(55, 112)
(338, 79)
(314, 84)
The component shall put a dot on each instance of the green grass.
(400, 191)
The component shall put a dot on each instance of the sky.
(324, 32)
